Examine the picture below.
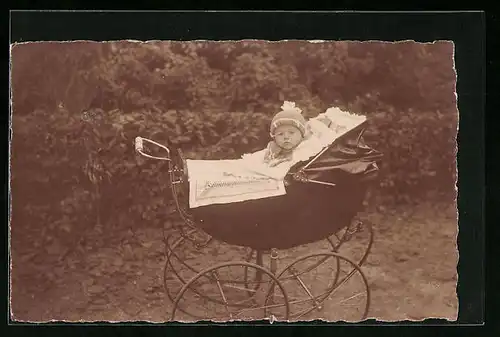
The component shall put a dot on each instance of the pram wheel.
(186, 256)
(326, 285)
(238, 298)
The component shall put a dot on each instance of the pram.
(323, 197)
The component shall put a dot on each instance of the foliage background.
(77, 107)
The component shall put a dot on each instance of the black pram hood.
(349, 154)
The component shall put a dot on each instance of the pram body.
(309, 211)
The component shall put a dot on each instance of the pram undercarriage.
(311, 231)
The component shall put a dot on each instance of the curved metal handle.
(139, 147)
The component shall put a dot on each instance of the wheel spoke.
(214, 274)
(350, 298)
(302, 284)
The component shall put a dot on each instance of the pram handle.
(139, 147)
(138, 144)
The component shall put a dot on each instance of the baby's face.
(287, 136)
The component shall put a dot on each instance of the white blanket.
(248, 178)
(226, 181)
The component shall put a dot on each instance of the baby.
(288, 130)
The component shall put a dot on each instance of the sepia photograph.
(226, 181)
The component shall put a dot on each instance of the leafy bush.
(77, 108)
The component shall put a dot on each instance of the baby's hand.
(270, 153)
(267, 156)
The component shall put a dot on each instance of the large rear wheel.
(328, 286)
(221, 293)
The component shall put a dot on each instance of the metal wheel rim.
(326, 294)
(274, 279)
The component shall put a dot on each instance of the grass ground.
(119, 276)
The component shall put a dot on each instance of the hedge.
(77, 108)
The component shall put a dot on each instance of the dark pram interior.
(310, 211)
